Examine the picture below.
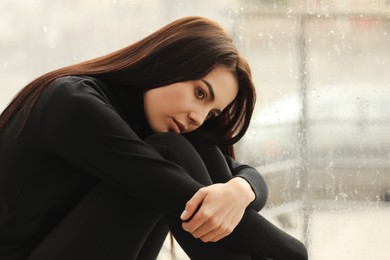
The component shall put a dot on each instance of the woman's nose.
(197, 118)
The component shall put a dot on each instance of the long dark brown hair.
(186, 49)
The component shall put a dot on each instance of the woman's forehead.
(222, 85)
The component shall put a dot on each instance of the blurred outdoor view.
(321, 130)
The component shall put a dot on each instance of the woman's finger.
(192, 205)
(218, 237)
(214, 235)
(203, 231)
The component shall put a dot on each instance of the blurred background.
(321, 130)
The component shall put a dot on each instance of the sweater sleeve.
(254, 178)
(82, 127)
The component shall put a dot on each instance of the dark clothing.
(103, 225)
(80, 134)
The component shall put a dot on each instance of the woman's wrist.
(243, 187)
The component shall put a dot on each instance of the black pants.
(108, 224)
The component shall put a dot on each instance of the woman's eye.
(210, 115)
(200, 94)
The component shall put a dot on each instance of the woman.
(96, 158)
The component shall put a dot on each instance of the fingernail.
(184, 214)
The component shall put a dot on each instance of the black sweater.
(80, 132)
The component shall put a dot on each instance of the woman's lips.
(174, 127)
(181, 126)
(178, 127)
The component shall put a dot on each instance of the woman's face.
(184, 106)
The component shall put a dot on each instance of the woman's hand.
(221, 207)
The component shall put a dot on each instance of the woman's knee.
(168, 139)
(177, 149)
(173, 147)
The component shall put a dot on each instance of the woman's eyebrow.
(211, 90)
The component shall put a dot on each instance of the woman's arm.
(222, 168)
(226, 202)
(254, 178)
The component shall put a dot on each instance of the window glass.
(320, 132)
